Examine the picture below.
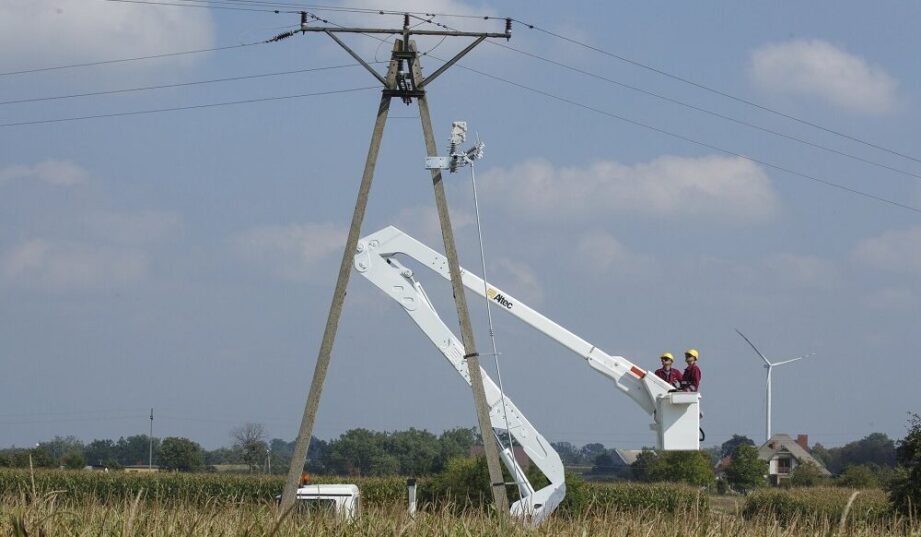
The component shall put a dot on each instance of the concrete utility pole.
(406, 85)
(150, 442)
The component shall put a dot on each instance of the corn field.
(77, 503)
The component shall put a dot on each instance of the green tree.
(569, 453)
(692, 467)
(826, 456)
(905, 489)
(603, 464)
(101, 452)
(60, 446)
(806, 474)
(641, 466)
(860, 476)
(464, 483)
(181, 454)
(416, 451)
(41, 457)
(454, 443)
(875, 448)
(249, 442)
(361, 452)
(729, 446)
(590, 451)
(73, 460)
(316, 455)
(746, 471)
(135, 450)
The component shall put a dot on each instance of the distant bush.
(822, 502)
(660, 497)
(464, 484)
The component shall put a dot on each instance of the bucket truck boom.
(399, 283)
(676, 415)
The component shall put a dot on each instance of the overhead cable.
(176, 85)
(134, 59)
(718, 92)
(710, 112)
(634, 122)
(192, 107)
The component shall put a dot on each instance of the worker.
(690, 381)
(668, 373)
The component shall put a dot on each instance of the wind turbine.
(770, 368)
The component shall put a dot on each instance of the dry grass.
(55, 514)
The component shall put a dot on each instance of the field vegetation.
(85, 503)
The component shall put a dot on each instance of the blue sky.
(185, 260)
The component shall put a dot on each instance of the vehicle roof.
(328, 489)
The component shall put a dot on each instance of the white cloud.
(38, 33)
(815, 68)
(710, 187)
(289, 252)
(53, 172)
(895, 251)
(599, 253)
(65, 266)
(803, 270)
(142, 227)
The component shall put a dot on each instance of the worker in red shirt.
(690, 381)
(668, 373)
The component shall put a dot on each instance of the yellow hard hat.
(692, 352)
(668, 355)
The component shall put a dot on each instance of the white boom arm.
(676, 415)
(398, 282)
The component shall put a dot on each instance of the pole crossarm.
(400, 31)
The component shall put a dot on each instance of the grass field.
(80, 511)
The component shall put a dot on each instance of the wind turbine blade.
(753, 347)
(795, 359)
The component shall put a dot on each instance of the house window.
(784, 465)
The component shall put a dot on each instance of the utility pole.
(406, 84)
(150, 440)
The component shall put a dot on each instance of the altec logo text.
(498, 297)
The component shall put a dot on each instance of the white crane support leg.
(398, 283)
(676, 415)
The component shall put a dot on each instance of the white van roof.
(327, 490)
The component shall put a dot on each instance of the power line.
(177, 85)
(180, 108)
(134, 59)
(719, 92)
(694, 141)
(346, 9)
(683, 137)
(710, 112)
(234, 5)
(205, 4)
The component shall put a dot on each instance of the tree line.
(355, 452)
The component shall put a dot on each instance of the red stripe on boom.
(637, 371)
